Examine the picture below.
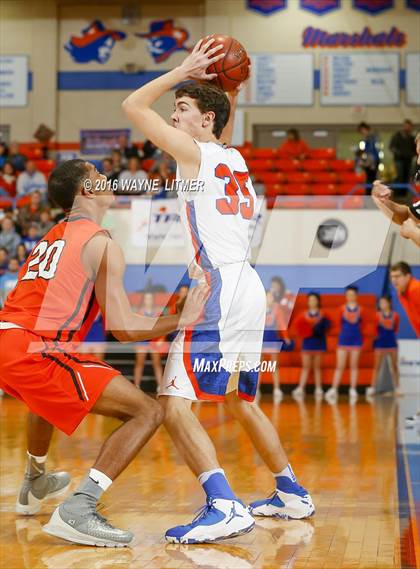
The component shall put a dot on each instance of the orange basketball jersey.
(54, 297)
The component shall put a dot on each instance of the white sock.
(287, 471)
(39, 459)
(100, 478)
(204, 476)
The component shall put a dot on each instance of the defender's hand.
(380, 191)
(194, 66)
(193, 305)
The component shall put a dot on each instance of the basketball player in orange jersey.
(72, 272)
(217, 224)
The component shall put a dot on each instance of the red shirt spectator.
(408, 289)
(8, 179)
(294, 147)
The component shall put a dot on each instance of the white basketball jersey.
(217, 217)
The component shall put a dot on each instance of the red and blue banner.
(95, 43)
(164, 39)
(373, 6)
(320, 7)
(266, 7)
(413, 4)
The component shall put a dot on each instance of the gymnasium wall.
(40, 29)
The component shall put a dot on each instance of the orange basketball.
(234, 67)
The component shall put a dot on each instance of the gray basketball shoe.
(77, 520)
(37, 486)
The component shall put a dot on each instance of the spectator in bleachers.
(108, 169)
(350, 341)
(45, 221)
(9, 279)
(9, 238)
(150, 151)
(16, 158)
(132, 176)
(32, 237)
(126, 149)
(166, 166)
(30, 180)
(118, 164)
(4, 260)
(30, 212)
(154, 347)
(159, 191)
(385, 344)
(4, 152)
(367, 155)
(294, 147)
(312, 325)
(21, 254)
(403, 148)
(8, 179)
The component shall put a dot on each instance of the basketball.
(234, 67)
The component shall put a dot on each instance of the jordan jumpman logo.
(233, 513)
(172, 383)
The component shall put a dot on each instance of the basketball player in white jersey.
(217, 222)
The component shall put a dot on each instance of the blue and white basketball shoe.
(218, 519)
(290, 502)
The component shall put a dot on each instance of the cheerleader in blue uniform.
(385, 344)
(312, 326)
(350, 342)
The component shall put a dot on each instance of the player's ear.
(207, 118)
(87, 188)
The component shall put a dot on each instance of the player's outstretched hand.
(380, 191)
(192, 306)
(196, 63)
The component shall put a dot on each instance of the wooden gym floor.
(354, 461)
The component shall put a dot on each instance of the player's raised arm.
(105, 262)
(138, 105)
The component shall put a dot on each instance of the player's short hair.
(64, 182)
(401, 266)
(354, 288)
(209, 98)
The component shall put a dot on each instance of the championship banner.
(373, 6)
(320, 7)
(156, 223)
(266, 7)
(413, 4)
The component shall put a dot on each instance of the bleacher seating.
(320, 174)
(290, 362)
